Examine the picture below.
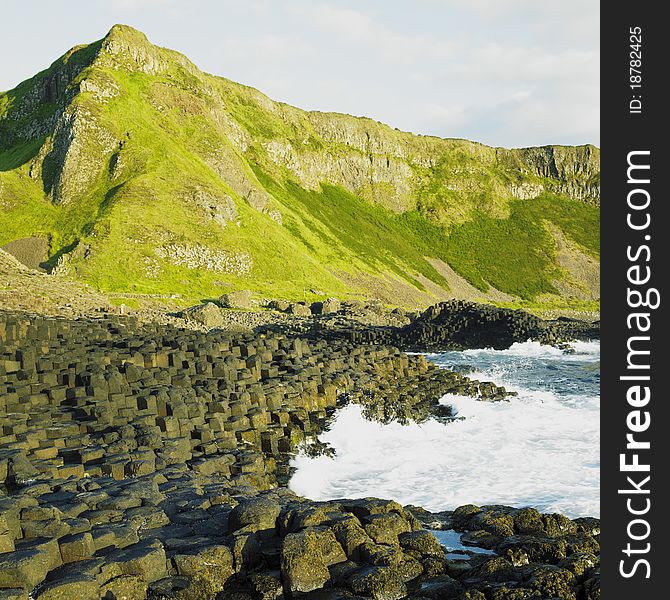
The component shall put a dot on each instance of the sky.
(509, 73)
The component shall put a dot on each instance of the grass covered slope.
(146, 175)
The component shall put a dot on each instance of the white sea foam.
(540, 449)
(582, 350)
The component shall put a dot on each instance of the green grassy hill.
(146, 175)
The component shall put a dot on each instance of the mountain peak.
(127, 151)
(125, 42)
(125, 47)
(121, 29)
(126, 35)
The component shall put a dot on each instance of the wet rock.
(459, 325)
(552, 582)
(305, 557)
(212, 566)
(481, 538)
(496, 522)
(588, 525)
(422, 543)
(380, 583)
(462, 515)
(385, 528)
(528, 520)
(557, 524)
(440, 587)
(255, 514)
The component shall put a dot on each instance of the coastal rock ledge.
(146, 461)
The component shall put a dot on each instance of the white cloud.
(507, 73)
(503, 72)
(267, 47)
(568, 10)
(521, 95)
(496, 61)
(137, 4)
(529, 118)
(444, 117)
(361, 28)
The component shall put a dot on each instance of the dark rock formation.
(147, 462)
(451, 325)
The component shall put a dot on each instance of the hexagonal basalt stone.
(76, 547)
(385, 528)
(23, 569)
(129, 587)
(421, 542)
(145, 559)
(380, 583)
(305, 557)
(213, 565)
(74, 587)
(14, 594)
(256, 514)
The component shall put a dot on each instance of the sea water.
(540, 449)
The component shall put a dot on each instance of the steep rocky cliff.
(144, 173)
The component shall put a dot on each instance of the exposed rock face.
(126, 48)
(383, 165)
(76, 150)
(204, 145)
(388, 167)
(526, 191)
(53, 89)
(221, 209)
(197, 256)
(575, 170)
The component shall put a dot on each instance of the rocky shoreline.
(150, 461)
